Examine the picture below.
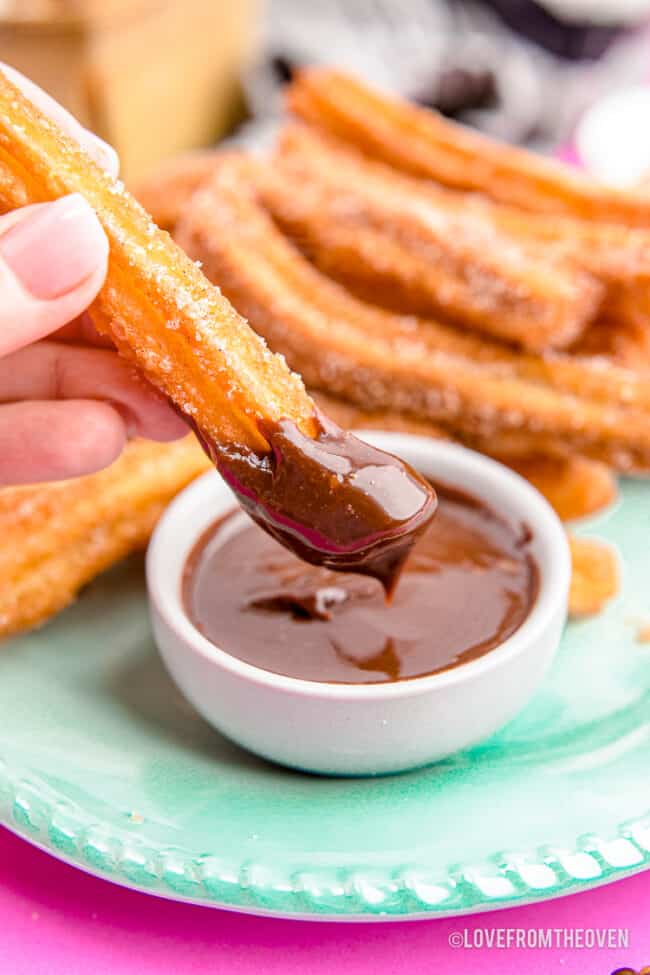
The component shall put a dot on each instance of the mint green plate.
(104, 764)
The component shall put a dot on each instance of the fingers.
(103, 154)
(54, 441)
(53, 260)
(53, 371)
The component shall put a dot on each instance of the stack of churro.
(482, 392)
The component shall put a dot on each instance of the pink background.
(55, 920)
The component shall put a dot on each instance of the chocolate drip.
(333, 500)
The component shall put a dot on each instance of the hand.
(67, 404)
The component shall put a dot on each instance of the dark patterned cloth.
(513, 68)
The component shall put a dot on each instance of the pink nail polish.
(55, 247)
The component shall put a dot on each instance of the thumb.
(53, 259)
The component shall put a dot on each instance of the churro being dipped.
(318, 490)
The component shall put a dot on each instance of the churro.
(531, 279)
(421, 142)
(380, 360)
(59, 536)
(253, 415)
(617, 256)
(423, 251)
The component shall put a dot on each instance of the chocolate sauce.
(333, 500)
(467, 585)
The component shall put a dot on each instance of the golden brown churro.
(57, 537)
(421, 142)
(416, 247)
(424, 249)
(252, 413)
(421, 250)
(379, 360)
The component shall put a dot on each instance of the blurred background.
(158, 76)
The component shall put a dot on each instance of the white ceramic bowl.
(370, 728)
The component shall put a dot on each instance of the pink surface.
(55, 920)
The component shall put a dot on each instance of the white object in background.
(598, 11)
(361, 729)
(613, 138)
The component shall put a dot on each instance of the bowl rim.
(165, 597)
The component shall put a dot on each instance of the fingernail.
(55, 247)
(104, 154)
